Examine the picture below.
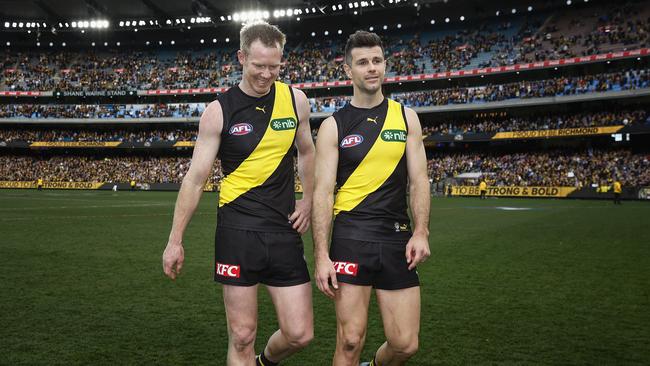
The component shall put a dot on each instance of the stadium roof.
(114, 9)
(57, 10)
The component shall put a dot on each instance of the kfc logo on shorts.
(227, 270)
(241, 129)
(351, 141)
(346, 268)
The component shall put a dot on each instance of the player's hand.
(417, 250)
(173, 258)
(300, 218)
(326, 275)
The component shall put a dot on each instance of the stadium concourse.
(548, 99)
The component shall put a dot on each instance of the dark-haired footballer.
(372, 151)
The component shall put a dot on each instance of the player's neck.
(365, 100)
(247, 89)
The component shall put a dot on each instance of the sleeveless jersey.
(256, 152)
(370, 203)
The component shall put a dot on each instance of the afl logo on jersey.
(351, 141)
(241, 129)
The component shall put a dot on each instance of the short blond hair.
(269, 35)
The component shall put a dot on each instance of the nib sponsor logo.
(227, 270)
(351, 140)
(282, 124)
(346, 268)
(394, 135)
(241, 129)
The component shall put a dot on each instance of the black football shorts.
(246, 258)
(381, 265)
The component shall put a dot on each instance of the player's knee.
(351, 340)
(242, 337)
(299, 338)
(404, 347)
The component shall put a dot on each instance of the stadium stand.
(535, 123)
(553, 168)
(97, 168)
(468, 125)
(492, 42)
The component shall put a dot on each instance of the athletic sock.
(261, 360)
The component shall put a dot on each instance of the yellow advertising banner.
(75, 144)
(514, 191)
(11, 184)
(581, 131)
(184, 144)
(51, 185)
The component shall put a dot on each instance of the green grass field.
(566, 282)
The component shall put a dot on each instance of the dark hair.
(361, 39)
(269, 35)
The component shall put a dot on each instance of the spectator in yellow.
(482, 187)
(616, 187)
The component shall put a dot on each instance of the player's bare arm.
(300, 218)
(327, 156)
(417, 249)
(205, 152)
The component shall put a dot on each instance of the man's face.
(367, 68)
(260, 66)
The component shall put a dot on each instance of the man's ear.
(348, 70)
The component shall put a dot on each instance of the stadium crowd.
(102, 111)
(471, 125)
(556, 168)
(30, 135)
(623, 26)
(124, 111)
(623, 80)
(115, 169)
(496, 42)
(139, 70)
(566, 85)
(545, 122)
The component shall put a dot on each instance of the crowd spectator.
(121, 111)
(624, 80)
(115, 169)
(30, 135)
(548, 168)
(605, 29)
(535, 123)
(314, 61)
(565, 85)
(473, 125)
(555, 168)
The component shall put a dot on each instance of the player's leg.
(239, 258)
(241, 315)
(287, 280)
(355, 263)
(351, 303)
(293, 306)
(398, 297)
(400, 313)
